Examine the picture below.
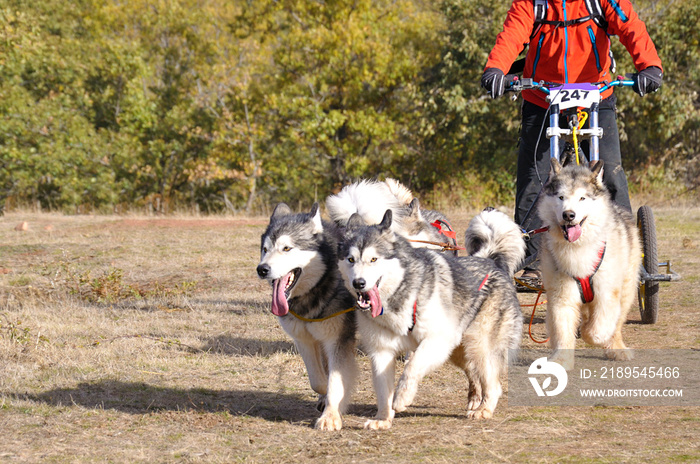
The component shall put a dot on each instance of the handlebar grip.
(509, 80)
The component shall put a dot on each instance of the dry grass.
(150, 340)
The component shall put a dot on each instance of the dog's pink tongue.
(573, 232)
(280, 306)
(375, 302)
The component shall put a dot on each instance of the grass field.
(135, 339)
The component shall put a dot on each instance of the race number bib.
(574, 95)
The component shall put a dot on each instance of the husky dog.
(590, 261)
(438, 306)
(299, 259)
(370, 199)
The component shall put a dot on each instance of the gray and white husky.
(298, 256)
(590, 261)
(436, 305)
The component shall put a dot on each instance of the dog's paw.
(474, 402)
(404, 396)
(374, 424)
(620, 355)
(400, 404)
(480, 414)
(399, 407)
(331, 422)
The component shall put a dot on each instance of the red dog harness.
(447, 231)
(415, 305)
(585, 285)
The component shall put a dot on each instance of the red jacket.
(576, 53)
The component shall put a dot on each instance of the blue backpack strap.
(596, 9)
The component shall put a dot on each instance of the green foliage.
(471, 138)
(345, 91)
(48, 149)
(215, 104)
(662, 131)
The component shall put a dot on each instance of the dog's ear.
(414, 208)
(315, 215)
(355, 222)
(596, 168)
(386, 221)
(282, 209)
(556, 167)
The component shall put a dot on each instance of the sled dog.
(299, 259)
(590, 262)
(436, 305)
(370, 199)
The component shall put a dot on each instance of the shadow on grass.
(142, 398)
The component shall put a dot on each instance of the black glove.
(493, 81)
(647, 80)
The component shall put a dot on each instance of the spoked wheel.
(648, 289)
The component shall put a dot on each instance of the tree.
(345, 83)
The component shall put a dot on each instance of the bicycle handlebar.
(616, 83)
(515, 84)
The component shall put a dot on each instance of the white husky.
(370, 199)
(590, 262)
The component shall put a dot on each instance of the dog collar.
(585, 285)
(527, 235)
(321, 319)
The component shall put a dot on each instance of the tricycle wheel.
(648, 292)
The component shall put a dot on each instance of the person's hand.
(493, 81)
(647, 80)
